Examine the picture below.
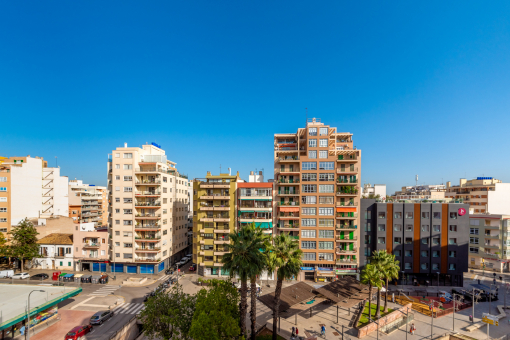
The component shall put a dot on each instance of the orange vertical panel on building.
(444, 238)
(416, 251)
(389, 227)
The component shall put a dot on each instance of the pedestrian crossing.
(164, 278)
(105, 290)
(129, 308)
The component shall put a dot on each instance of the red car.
(193, 267)
(78, 332)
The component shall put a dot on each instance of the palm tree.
(287, 259)
(242, 255)
(379, 258)
(371, 277)
(391, 269)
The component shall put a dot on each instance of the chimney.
(125, 145)
(260, 173)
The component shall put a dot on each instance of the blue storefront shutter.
(143, 269)
(103, 267)
(118, 268)
(95, 267)
(161, 266)
(131, 269)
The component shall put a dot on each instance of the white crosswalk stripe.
(164, 278)
(104, 291)
(129, 308)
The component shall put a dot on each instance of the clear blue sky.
(424, 86)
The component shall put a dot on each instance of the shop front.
(307, 274)
(344, 272)
(324, 274)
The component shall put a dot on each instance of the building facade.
(317, 175)
(88, 203)
(148, 209)
(91, 247)
(483, 194)
(30, 189)
(433, 192)
(429, 239)
(56, 252)
(214, 218)
(375, 190)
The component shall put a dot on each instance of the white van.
(6, 273)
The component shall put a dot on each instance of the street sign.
(490, 319)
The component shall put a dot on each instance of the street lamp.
(490, 297)
(28, 313)
(460, 300)
(438, 279)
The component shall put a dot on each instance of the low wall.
(130, 331)
(396, 314)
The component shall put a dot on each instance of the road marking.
(475, 277)
(139, 309)
(73, 307)
(119, 306)
(130, 310)
(104, 291)
(163, 278)
(124, 308)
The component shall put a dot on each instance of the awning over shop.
(345, 209)
(263, 225)
(323, 274)
(264, 199)
(289, 209)
(246, 211)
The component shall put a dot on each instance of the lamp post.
(437, 279)
(490, 297)
(28, 313)
(460, 299)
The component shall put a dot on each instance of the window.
(165, 232)
(368, 215)
(310, 222)
(436, 215)
(398, 215)
(3, 230)
(397, 253)
(309, 211)
(323, 131)
(128, 200)
(474, 222)
(435, 241)
(326, 222)
(473, 250)
(117, 178)
(453, 215)
(408, 253)
(425, 214)
(435, 266)
(452, 266)
(323, 154)
(312, 154)
(436, 228)
(326, 165)
(425, 240)
(325, 200)
(309, 187)
(117, 199)
(326, 256)
(128, 245)
(309, 166)
(326, 245)
(424, 266)
(327, 177)
(326, 234)
(3, 179)
(128, 211)
(424, 253)
(312, 131)
(453, 228)
(367, 226)
(128, 189)
(473, 231)
(312, 143)
(425, 228)
(309, 177)
(435, 253)
(128, 167)
(128, 222)
(308, 234)
(323, 143)
(308, 244)
(381, 240)
(397, 227)
(117, 221)
(409, 215)
(326, 188)
(3, 199)
(3, 210)
(452, 253)
(367, 241)
(452, 240)
(117, 233)
(381, 214)
(128, 256)
(326, 211)
(309, 199)
(309, 256)
(409, 227)
(117, 166)
(117, 188)
(398, 240)
(3, 189)
(381, 227)
(407, 266)
(409, 240)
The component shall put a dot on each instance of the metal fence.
(394, 325)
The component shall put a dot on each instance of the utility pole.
(473, 301)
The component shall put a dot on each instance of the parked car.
(166, 284)
(6, 273)
(20, 276)
(78, 332)
(100, 317)
(41, 276)
(193, 267)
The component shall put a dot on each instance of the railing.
(347, 180)
(347, 191)
(347, 204)
(289, 192)
(158, 181)
(288, 226)
(254, 218)
(288, 158)
(340, 170)
(288, 203)
(156, 192)
(148, 215)
(347, 157)
(86, 244)
(147, 226)
(346, 226)
(346, 261)
(147, 237)
(147, 204)
(147, 249)
(281, 180)
(347, 214)
(147, 259)
(353, 238)
(286, 170)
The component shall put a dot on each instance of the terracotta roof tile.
(57, 239)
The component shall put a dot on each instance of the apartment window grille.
(326, 165)
(312, 131)
(326, 211)
(326, 200)
(309, 166)
(326, 234)
(309, 211)
(323, 143)
(323, 154)
(436, 228)
(323, 131)
(326, 256)
(327, 177)
(425, 228)
(308, 244)
(310, 222)
(397, 215)
(128, 166)
(326, 188)
(312, 154)
(381, 227)
(326, 222)
(309, 199)
(425, 214)
(309, 188)
(308, 234)
(397, 227)
(309, 177)
(312, 143)
(309, 256)
(325, 245)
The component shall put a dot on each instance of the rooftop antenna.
(416, 180)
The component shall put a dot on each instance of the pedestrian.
(413, 329)
(293, 332)
(297, 332)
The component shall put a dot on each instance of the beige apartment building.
(214, 218)
(317, 187)
(88, 203)
(148, 210)
(30, 189)
(485, 195)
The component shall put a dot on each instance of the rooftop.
(57, 239)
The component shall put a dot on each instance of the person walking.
(293, 332)
(412, 329)
(323, 330)
(297, 332)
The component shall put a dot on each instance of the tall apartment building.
(214, 218)
(483, 194)
(148, 209)
(317, 175)
(489, 242)
(30, 189)
(429, 239)
(88, 203)
(255, 202)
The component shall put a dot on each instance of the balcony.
(347, 215)
(215, 197)
(289, 227)
(492, 235)
(148, 182)
(347, 158)
(281, 204)
(287, 171)
(154, 170)
(148, 193)
(288, 181)
(148, 238)
(288, 159)
(221, 231)
(91, 245)
(346, 227)
(489, 245)
(218, 185)
(148, 204)
(211, 207)
(288, 217)
(288, 193)
(346, 261)
(147, 227)
(345, 251)
(351, 170)
(147, 216)
(147, 250)
(347, 191)
(347, 181)
(222, 241)
(351, 239)
(495, 256)
(347, 204)
(147, 259)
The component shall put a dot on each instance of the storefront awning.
(246, 211)
(264, 199)
(289, 209)
(345, 209)
(263, 225)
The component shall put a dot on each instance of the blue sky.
(424, 87)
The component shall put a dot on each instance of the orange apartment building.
(317, 189)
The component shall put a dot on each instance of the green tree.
(216, 314)
(287, 258)
(389, 271)
(24, 241)
(371, 277)
(243, 259)
(379, 259)
(168, 316)
(3, 245)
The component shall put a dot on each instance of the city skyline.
(410, 82)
